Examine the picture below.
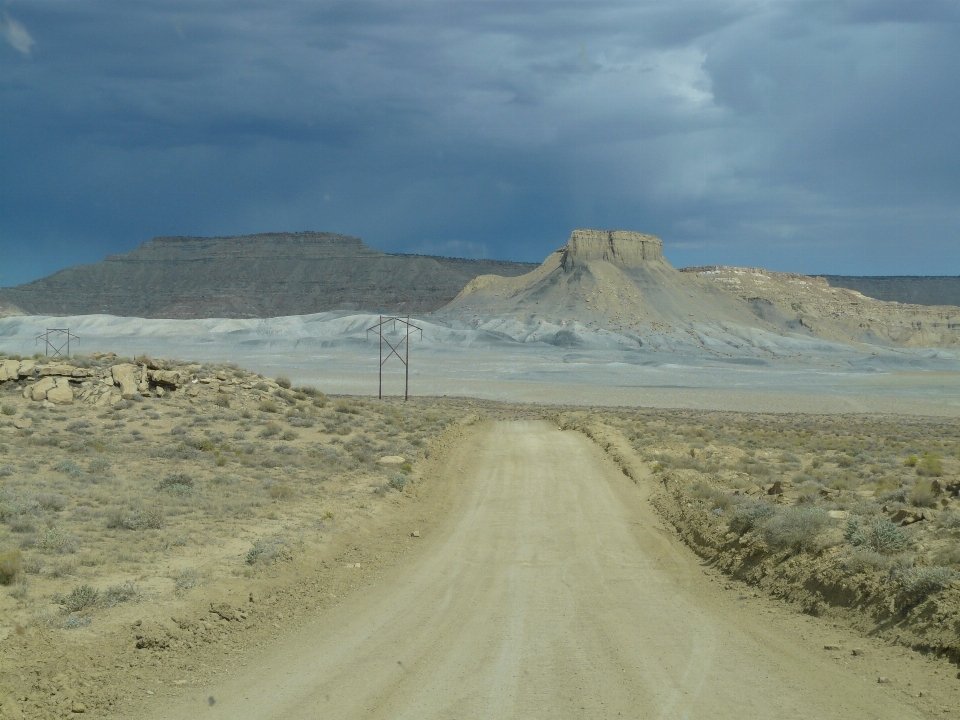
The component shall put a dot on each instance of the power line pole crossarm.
(395, 349)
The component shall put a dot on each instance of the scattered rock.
(26, 368)
(415, 533)
(38, 391)
(23, 423)
(883, 680)
(125, 375)
(392, 460)
(838, 514)
(62, 394)
(78, 707)
(832, 647)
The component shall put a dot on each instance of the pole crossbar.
(51, 337)
(403, 342)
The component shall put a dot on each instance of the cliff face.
(619, 247)
(811, 305)
(265, 275)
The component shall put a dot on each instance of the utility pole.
(394, 349)
(60, 335)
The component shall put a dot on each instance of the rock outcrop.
(810, 305)
(57, 382)
(619, 247)
(266, 275)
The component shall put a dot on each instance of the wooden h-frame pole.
(395, 349)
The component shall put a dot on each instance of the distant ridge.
(916, 289)
(253, 276)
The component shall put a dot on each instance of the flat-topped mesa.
(620, 247)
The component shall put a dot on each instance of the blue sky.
(811, 136)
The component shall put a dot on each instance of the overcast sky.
(810, 136)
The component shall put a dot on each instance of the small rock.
(391, 460)
(415, 533)
(78, 707)
(39, 390)
(223, 610)
(883, 680)
(858, 652)
(838, 514)
(23, 423)
(832, 647)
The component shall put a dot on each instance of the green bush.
(910, 461)
(878, 534)
(795, 528)
(98, 466)
(70, 468)
(56, 540)
(930, 466)
(82, 596)
(268, 406)
(922, 494)
(749, 515)
(138, 519)
(398, 481)
(178, 484)
(120, 594)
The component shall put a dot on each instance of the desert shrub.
(120, 594)
(878, 534)
(51, 501)
(98, 466)
(749, 515)
(289, 435)
(186, 579)
(202, 444)
(57, 540)
(225, 480)
(271, 429)
(177, 484)
(138, 519)
(7, 470)
(11, 565)
(268, 552)
(222, 401)
(82, 596)
(398, 481)
(8, 410)
(70, 468)
(269, 406)
(922, 494)
(281, 492)
(795, 528)
(910, 461)
(346, 407)
(930, 465)
(283, 382)
(917, 584)
(865, 560)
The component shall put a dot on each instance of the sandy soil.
(550, 588)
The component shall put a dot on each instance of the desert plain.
(617, 491)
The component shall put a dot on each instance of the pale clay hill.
(251, 276)
(619, 281)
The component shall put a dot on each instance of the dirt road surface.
(552, 590)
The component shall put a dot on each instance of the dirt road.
(552, 591)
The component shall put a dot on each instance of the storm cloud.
(819, 136)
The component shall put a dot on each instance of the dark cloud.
(811, 136)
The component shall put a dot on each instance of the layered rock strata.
(266, 275)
